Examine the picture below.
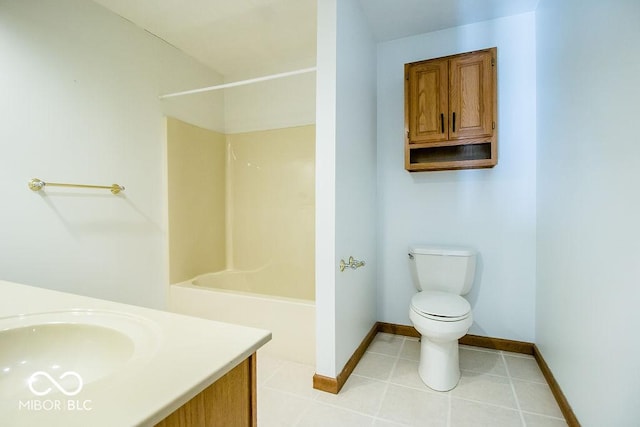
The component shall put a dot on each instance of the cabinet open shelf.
(451, 153)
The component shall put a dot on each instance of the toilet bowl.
(438, 311)
(440, 330)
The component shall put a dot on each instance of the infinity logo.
(34, 378)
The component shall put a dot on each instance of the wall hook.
(353, 264)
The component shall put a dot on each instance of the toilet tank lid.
(441, 250)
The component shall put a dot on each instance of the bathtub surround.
(243, 203)
(272, 207)
(268, 277)
(196, 159)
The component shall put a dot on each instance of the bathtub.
(229, 296)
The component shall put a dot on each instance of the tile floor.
(496, 389)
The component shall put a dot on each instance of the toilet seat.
(440, 306)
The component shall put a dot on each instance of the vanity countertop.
(182, 355)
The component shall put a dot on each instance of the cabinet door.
(228, 402)
(427, 99)
(471, 96)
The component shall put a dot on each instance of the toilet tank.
(440, 268)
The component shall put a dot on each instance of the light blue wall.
(589, 204)
(345, 182)
(491, 210)
(355, 178)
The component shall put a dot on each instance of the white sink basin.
(59, 353)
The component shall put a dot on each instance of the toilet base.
(439, 365)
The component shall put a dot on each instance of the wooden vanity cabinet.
(450, 112)
(228, 402)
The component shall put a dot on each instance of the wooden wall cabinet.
(450, 112)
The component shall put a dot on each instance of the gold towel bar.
(36, 185)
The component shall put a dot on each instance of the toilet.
(438, 311)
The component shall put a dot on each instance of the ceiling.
(394, 19)
(248, 38)
(236, 38)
